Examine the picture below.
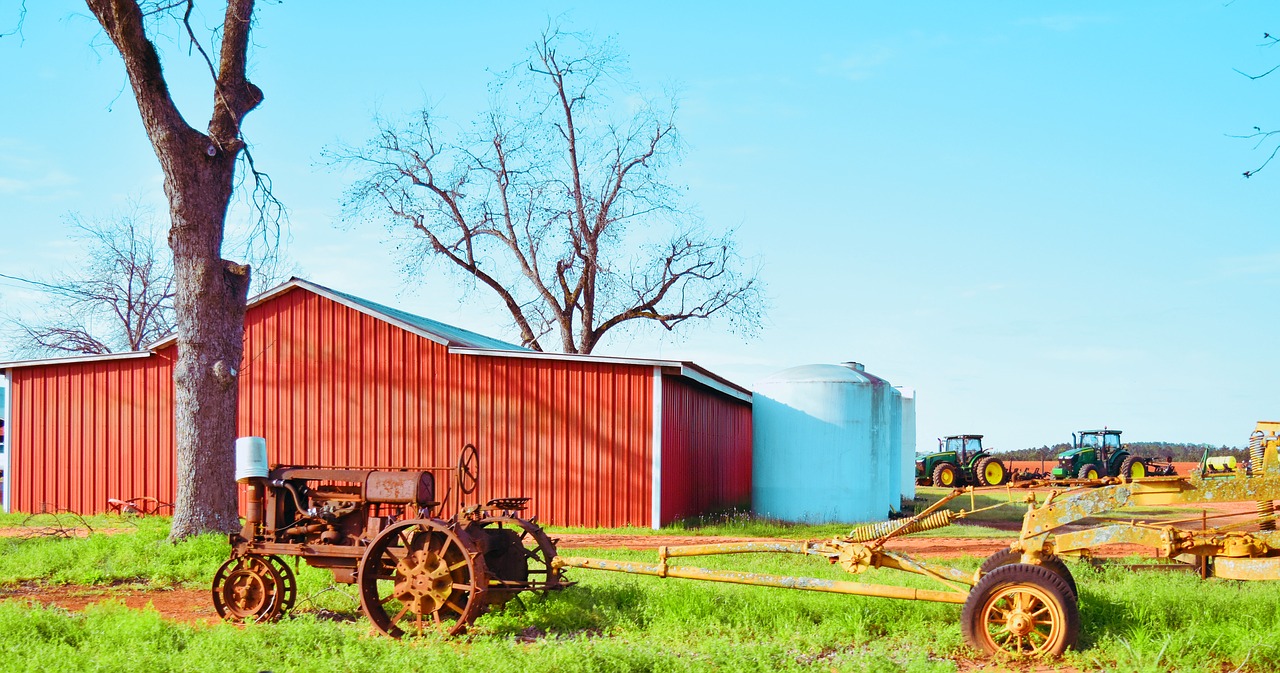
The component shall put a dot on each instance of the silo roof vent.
(855, 366)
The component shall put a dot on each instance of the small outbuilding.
(330, 379)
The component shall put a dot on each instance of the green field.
(607, 622)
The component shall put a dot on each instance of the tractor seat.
(507, 504)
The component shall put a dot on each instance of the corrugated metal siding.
(328, 385)
(82, 433)
(706, 450)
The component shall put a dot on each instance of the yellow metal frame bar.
(765, 580)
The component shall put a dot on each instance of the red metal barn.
(334, 380)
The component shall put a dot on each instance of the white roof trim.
(542, 355)
(75, 359)
(715, 384)
(684, 369)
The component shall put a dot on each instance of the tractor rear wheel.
(991, 472)
(1089, 471)
(421, 576)
(1021, 610)
(1132, 468)
(946, 475)
(1006, 557)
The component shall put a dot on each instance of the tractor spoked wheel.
(288, 583)
(248, 588)
(536, 548)
(1021, 610)
(421, 576)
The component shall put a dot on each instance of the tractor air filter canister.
(251, 458)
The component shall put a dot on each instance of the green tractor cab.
(1096, 454)
(960, 461)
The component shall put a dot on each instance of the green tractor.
(1098, 453)
(961, 461)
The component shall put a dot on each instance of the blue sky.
(1032, 213)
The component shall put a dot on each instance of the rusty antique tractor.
(383, 529)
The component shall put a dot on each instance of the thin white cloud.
(862, 65)
(971, 292)
(1259, 264)
(1095, 355)
(1064, 23)
(13, 186)
(23, 173)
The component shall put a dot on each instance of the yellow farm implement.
(1023, 601)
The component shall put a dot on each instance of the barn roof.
(434, 330)
(456, 339)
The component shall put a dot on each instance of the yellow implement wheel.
(1021, 610)
(946, 475)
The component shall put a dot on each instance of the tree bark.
(210, 307)
(210, 292)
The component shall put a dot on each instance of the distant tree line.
(1180, 452)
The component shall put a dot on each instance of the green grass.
(611, 622)
(742, 524)
(144, 555)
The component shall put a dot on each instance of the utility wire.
(33, 282)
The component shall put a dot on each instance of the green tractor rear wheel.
(1133, 468)
(990, 472)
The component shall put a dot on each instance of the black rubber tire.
(980, 472)
(939, 475)
(1039, 590)
(1006, 557)
(1126, 468)
(1086, 469)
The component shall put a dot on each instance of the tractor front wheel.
(1021, 610)
(991, 472)
(1089, 471)
(946, 475)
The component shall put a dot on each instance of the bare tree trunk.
(210, 306)
(210, 292)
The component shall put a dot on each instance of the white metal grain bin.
(821, 445)
(908, 442)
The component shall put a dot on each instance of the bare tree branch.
(118, 296)
(554, 206)
(17, 28)
(1268, 40)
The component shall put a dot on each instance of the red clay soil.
(189, 606)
